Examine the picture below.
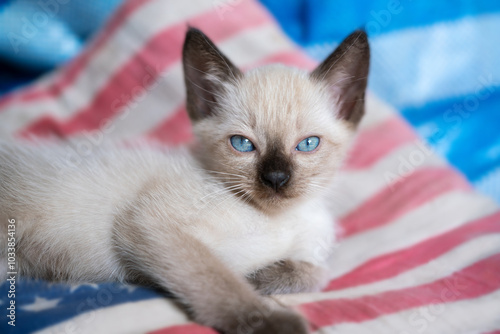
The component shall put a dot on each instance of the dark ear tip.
(359, 37)
(193, 32)
(359, 40)
(194, 35)
(361, 33)
(194, 41)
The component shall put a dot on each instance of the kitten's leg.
(186, 267)
(289, 276)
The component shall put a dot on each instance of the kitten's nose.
(276, 179)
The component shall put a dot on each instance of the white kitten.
(246, 207)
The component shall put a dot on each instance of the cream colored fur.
(197, 223)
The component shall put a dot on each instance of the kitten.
(241, 215)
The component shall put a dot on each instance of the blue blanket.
(436, 62)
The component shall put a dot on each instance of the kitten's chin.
(272, 202)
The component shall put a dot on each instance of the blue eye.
(242, 144)
(308, 144)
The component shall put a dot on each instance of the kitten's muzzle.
(275, 179)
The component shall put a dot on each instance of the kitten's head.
(274, 134)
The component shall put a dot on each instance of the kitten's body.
(205, 223)
(94, 197)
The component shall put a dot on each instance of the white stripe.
(359, 185)
(479, 315)
(442, 214)
(138, 29)
(443, 266)
(445, 67)
(133, 317)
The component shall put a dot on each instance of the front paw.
(289, 276)
(280, 321)
(283, 323)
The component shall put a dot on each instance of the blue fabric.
(11, 78)
(319, 21)
(40, 304)
(36, 36)
(40, 35)
(436, 62)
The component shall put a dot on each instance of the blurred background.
(437, 62)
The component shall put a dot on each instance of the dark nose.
(275, 180)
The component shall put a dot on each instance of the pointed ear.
(345, 72)
(206, 71)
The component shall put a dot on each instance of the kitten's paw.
(281, 321)
(284, 323)
(289, 276)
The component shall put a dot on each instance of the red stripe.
(44, 127)
(135, 75)
(175, 130)
(295, 58)
(72, 70)
(381, 139)
(392, 264)
(474, 281)
(185, 329)
(402, 197)
(494, 332)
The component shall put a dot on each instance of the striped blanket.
(419, 250)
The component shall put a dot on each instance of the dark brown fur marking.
(200, 58)
(351, 57)
(286, 276)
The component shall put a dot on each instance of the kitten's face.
(274, 134)
(275, 108)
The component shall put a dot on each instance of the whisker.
(224, 173)
(219, 191)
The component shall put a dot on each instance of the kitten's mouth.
(272, 201)
(275, 196)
